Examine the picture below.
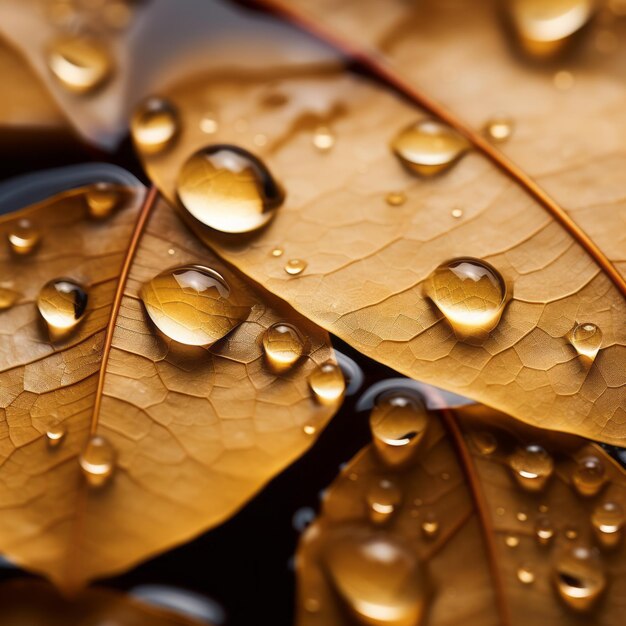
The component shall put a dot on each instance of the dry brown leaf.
(34, 603)
(368, 258)
(197, 431)
(454, 537)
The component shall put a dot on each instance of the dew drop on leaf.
(395, 198)
(589, 476)
(544, 530)
(192, 305)
(293, 267)
(532, 467)
(102, 199)
(499, 129)
(8, 297)
(399, 422)
(55, 433)
(484, 441)
(428, 147)
(62, 304)
(228, 189)
(277, 251)
(97, 461)
(511, 541)
(79, 64)
(283, 345)
(579, 577)
(23, 237)
(430, 526)
(323, 138)
(586, 338)
(154, 125)
(383, 498)
(607, 520)
(525, 574)
(470, 293)
(327, 383)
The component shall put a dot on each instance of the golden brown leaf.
(368, 255)
(458, 542)
(197, 431)
(34, 603)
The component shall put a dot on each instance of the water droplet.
(327, 383)
(399, 422)
(379, 579)
(511, 541)
(544, 530)
(23, 237)
(499, 129)
(525, 574)
(430, 526)
(79, 64)
(283, 345)
(395, 198)
(102, 199)
(208, 124)
(276, 252)
(228, 189)
(456, 213)
(532, 467)
(192, 305)
(97, 461)
(55, 433)
(154, 125)
(470, 293)
(62, 304)
(428, 147)
(309, 429)
(545, 27)
(570, 533)
(323, 138)
(589, 476)
(383, 498)
(586, 339)
(579, 577)
(8, 298)
(607, 520)
(522, 516)
(563, 80)
(293, 267)
(484, 441)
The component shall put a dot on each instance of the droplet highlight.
(499, 129)
(532, 467)
(579, 577)
(544, 530)
(23, 237)
(525, 574)
(55, 433)
(323, 138)
(327, 383)
(228, 189)
(430, 526)
(154, 125)
(283, 345)
(586, 338)
(62, 304)
(102, 199)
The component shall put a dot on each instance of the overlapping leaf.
(459, 541)
(197, 431)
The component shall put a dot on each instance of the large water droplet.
(55, 433)
(283, 345)
(102, 199)
(398, 421)
(607, 520)
(383, 498)
(8, 297)
(586, 339)
(327, 383)
(62, 304)
(544, 530)
(589, 476)
(532, 467)
(429, 147)
(97, 461)
(23, 237)
(154, 125)
(192, 305)
(470, 293)
(79, 64)
(544, 27)
(579, 577)
(379, 578)
(228, 189)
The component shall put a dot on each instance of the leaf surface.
(484, 563)
(197, 431)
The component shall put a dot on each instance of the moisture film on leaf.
(140, 400)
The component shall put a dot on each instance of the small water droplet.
(276, 252)
(154, 125)
(586, 338)
(8, 298)
(525, 574)
(102, 199)
(522, 516)
(511, 541)
(607, 520)
(544, 530)
(62, 304)
(283, 345)
(55, 433)
(383, 498)
(327, 383)
(228, 189)
(208, 124)
(293, 267)
(398, 422)
(309, 429)
(395, 198)
(323, 138)
(589, 476)
(457, 213)
(79, 64)
(532, 467)
(192, 305)
(429, 147)
(470, 293)
(430, 526)
(484, 441)
(23, 237)
(570, 533)
(579, 577)
(499, 129)
(379, 579)
(97, 461)
(563, 80)
(171, 251)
